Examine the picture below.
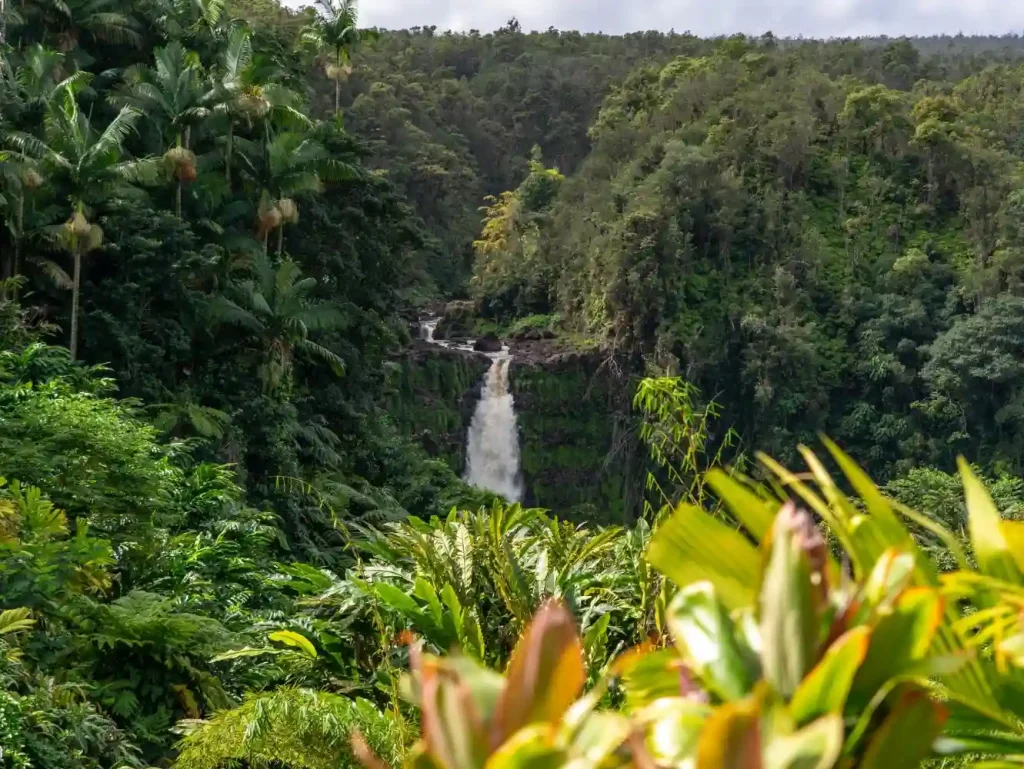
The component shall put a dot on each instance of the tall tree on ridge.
(92, 167)
(335, 29)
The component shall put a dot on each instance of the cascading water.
(492, 446)
(492, 450)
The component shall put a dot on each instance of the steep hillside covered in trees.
(821, 236)
(230, 512)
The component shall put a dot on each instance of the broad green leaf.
(532, 747)
(426, 593)
(708, 639)
(692, 546)
(672, 727)
(473, 635)
(905, 737)
(648, 676)
(452, 621)
(545, 674)
(825, 688)
(464, 557)
(597, 738)
(1013, 533)
(816, 746)
(299, 641)
(396, 599)
(485, 687)
(983, 522)
(755, 512)
(789, 620)
(452, 725)
(891, 574)
(900, 639)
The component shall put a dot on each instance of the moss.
(431, 397)
(578, 440)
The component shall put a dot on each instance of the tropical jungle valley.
(507, 399)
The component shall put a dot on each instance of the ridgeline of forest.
(225, 481)
(821, 236)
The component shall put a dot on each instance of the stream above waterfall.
(492, 442)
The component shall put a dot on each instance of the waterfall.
(492, 449)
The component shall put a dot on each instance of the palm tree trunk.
(18, 236)
(280, 240)
(337, 82)
(266, 235)
(227, 153)
(76, 290)
(177, 199)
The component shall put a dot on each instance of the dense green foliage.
(227, 275)
(229, 510)
(816, 234)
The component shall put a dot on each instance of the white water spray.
(492, 447)
(492, 450)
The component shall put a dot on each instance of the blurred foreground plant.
(781, 658)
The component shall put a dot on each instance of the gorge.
(492, 439)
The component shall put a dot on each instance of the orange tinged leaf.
(452, 727)
(731, 738)
(905, 737)
(364, 753)
(544, 676)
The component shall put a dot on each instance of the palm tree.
(173, 91)
(281, 167)
(275, 304)
(104, 21)
(335, 28)
(250, 91)
(91, 166)
(21, 177)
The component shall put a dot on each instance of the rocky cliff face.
(578, 436)
(432, 396)
(579, 439)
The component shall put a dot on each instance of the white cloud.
(812, 18)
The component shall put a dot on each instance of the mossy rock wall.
(578, 439)
(432, 396)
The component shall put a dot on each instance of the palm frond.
(333, 359)
(55, 273)
(238, 54)
(223, 310)
(113, 137)
(323, 317)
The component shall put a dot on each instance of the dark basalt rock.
(487, 343)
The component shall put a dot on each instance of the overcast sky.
(811, 18)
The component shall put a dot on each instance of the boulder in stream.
(487, 343)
